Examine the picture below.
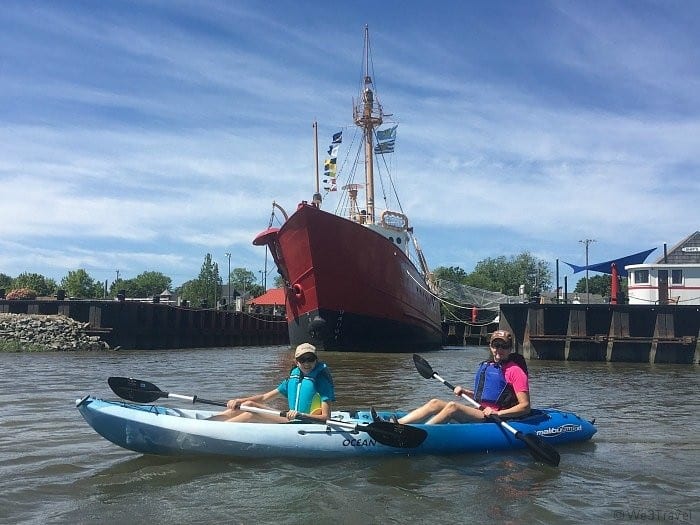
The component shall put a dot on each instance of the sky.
(141, 135)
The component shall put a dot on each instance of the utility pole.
(586, 242)
(228, 255)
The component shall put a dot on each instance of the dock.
(142, 325)
(605, 332)
(563, 332)
(462, 333)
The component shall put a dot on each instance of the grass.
(13, 345)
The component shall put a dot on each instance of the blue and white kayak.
(161, 430)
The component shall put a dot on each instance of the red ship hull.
(351, 289)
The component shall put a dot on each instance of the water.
(642, 465)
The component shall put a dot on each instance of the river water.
(642, 465)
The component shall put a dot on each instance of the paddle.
(384, 432)
(539, 449)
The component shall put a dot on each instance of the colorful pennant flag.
(386, 134)
(329, 165)
(384, 147)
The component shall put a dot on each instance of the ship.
(355, 279)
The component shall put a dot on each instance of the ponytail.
(519, 360)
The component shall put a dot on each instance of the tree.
(146, 284)
(5, 282)
(191, 291)
(80, 285)
(507, 274)
(279, 281)
(206, 287)
(478, 280)
(242, 280)
(40, 284)
(599, 285)
(118, 285)
(453, 274)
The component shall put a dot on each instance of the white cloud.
(144, 141)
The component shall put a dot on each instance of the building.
(673, 279)
(271, 302)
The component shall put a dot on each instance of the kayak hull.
(160, 430)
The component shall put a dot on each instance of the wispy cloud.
(141, 136)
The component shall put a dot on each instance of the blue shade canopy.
(605, 267)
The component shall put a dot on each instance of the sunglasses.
(500, 346)
(309, 359)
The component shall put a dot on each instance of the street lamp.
(228, 256)
(586, 242)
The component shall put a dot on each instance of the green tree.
(191, 291)
(597, 284)
(40, 284)
(146, 284)
(5, 282)
(600, 285)
(206, 287)
(478, 280)
(507, 274)
(243, 280)
(453, 274)
(80, 285)
(256, 290)
(278, 282)
(118, 285)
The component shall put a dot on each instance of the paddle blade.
(135, 389)
(423, 367)
(395, 434)
(540, 450)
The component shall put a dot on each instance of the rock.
(47, 332)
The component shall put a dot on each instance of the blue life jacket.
(490, 385)
(302, 393)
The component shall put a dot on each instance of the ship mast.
(317, 196)
(368, 116)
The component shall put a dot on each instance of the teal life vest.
(302, 393)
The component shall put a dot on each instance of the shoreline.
(46, 333)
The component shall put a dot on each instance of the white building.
(673, 279)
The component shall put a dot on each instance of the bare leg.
(458, 412)
(241, 416)
(419, 414)
(249, 417)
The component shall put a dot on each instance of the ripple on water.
(55, 468)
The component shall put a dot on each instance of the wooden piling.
(629, 333)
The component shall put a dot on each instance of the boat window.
(641, 277)
(676, 276)
(398, 240)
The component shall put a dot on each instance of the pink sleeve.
(518, 378)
